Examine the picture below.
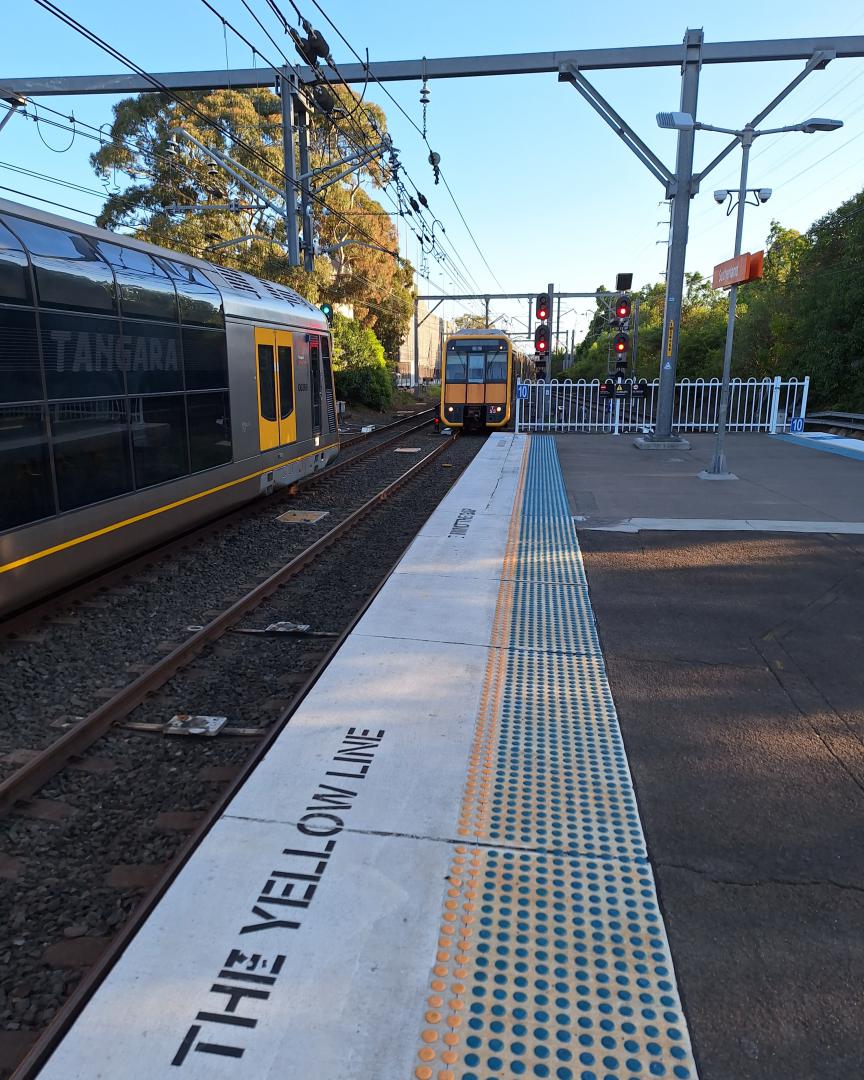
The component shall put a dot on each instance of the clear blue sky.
(548, 190)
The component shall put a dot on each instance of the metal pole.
(530, 317)
(549, 322)
(417, 347)
(487, 311)
(718, 468)
(305, 192)
(635, 337)
(558, 326)
(677, 251)
(291, 235)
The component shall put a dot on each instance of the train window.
(286, 381)
(205, 359)
(146, 290)
(266, 382)
(151, 353)
(25, 466)
(158, 439)
(209, 418)
(200, 300)
(91, 451)
(69, 273)
(456, 366)
(496, 366)
(84, 355)
(20, 372)
(476, 367)
(14, 270)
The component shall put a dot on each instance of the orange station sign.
(747, 267)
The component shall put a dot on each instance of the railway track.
(99, 738)
(355, 449)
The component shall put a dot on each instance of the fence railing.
(770, 405)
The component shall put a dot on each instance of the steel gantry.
(680, 184)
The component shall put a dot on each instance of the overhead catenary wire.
(414, 124)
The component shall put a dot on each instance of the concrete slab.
(734, 661)
(633, 525)
(309, 1009)
(607, 478)
(831, 444)
(433, 691)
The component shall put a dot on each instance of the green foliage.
(359, 365)
(163, 170)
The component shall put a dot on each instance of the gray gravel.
(91, 648)
(62, 889)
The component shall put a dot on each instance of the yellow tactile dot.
(429, 1036)
(435, 1001)
(446, 1074)
(426, 1053)
(453, 1020)
(438, 985)
(449, 1057)
(423, 1072)
(456, 1004)
(433, 1017)
(440, 970)
(442, 954)
(458, 988)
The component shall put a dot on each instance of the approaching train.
(477, 380)
(141, 392)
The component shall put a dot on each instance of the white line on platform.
(634, 525)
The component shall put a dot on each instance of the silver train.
(141, 392)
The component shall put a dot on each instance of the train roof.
(472, 332)
(243, 295)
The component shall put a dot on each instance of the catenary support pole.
(416, 347)
(302, 117)
(286, 91)
(662, 434)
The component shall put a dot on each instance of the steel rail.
(24, 619)
(47, 1042)
(29, 778)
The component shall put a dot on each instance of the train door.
(277, 420)
(315, 381)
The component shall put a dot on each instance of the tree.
(166, 171)
(359, 364)
(470, 322)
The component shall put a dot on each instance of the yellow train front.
(477, 380)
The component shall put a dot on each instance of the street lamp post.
(684, 121)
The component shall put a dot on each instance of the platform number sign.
(522, 392)
(797, 425)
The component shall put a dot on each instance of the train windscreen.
(477, 361)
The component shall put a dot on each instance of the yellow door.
(268, 413)
(285, 387)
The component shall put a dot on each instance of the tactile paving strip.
(552, 956)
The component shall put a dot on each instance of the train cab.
(477, 380)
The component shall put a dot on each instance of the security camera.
(763, 194)
(720, 196)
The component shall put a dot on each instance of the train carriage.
(141, 392)
(477, 380)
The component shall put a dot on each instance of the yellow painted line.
(442, 1037)
(153, 513)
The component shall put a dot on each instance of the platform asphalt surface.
(737, 666)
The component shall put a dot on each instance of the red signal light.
(542, 306)
(620, 346)
(623, 307)
(541, 345)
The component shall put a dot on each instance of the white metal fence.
(770, 405)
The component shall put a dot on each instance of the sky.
(548, 191)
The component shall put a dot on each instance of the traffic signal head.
(541, 340)
(621, 344)
(542, 306)
(327, 310)
(623, 307)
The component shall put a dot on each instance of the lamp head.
(676, 121)
(819, 123)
